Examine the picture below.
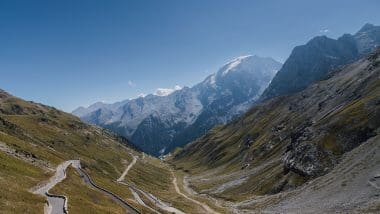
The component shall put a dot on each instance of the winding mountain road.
(203, 205)
(153, 199)
(58, 204)
(86, 178)
(140, 201)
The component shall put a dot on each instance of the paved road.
(56, 204)
(59, 175)
(86, 178)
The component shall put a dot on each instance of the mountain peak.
(368, 38)
(234, 63)
(312, 61)
(366, 27)
(318, 40)
(248, 63)
(81, 111)
(97, 104)
(180, 115)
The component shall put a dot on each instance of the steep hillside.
(35, 139)
(311, 62)
(286, 142)
(157, 124)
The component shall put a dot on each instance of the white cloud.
(166, 91)
(131, 84)
(141, 95)
(324, 30)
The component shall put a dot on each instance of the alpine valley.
(159, 124)
(254, 137)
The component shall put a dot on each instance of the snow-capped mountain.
(159, 123)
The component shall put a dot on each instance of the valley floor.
(353, 186)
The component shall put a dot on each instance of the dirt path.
(156, 201)
(134, 193)
(203, 205)
(122, 177)
(160, 204)
(140, 201)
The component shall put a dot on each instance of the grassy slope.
(16, 177)
(53, 136)
(151, 175)
(340, 112)
(50, 137)
(86, 201)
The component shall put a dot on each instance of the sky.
(76, 52)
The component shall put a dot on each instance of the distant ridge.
(311, 62)
(158, 124)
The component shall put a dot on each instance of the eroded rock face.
(284, 142)
(305, 159)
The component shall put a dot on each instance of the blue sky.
(76, 52)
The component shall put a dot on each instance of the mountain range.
(35, 142)
(316, 151)
(158, 124)
(261, 142)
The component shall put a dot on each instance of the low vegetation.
(282, 143)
